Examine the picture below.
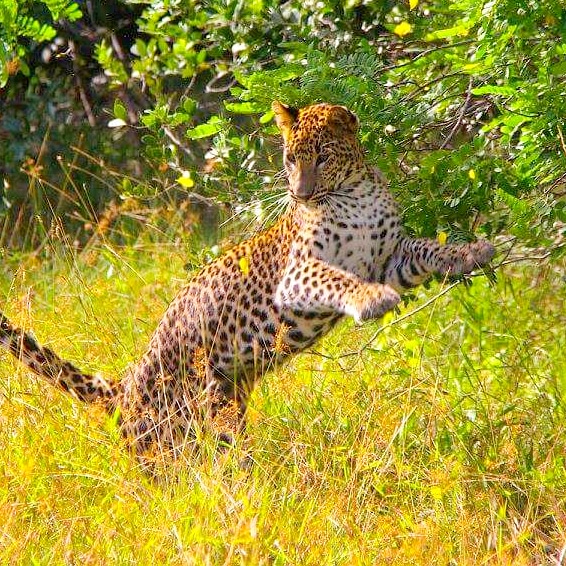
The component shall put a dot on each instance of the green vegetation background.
(136, 143)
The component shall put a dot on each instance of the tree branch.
(460, 116)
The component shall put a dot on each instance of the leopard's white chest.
(357, 235)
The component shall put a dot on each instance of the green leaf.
(189, 105)
(8, 13)
(211, 127)
(267, 117)
(244, 107)
(494, 89)
(120, 111)
(558, 69)
(72, 12)
(456, 31)
(139, 48)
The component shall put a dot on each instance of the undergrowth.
(437, 440)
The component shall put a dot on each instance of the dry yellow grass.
(442, 442)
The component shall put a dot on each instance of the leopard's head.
(321, 149)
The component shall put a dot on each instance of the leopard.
(339, 250)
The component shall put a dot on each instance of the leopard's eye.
(321, 159)
(290, 158)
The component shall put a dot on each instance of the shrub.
(461, 103)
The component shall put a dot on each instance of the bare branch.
(185, 149)
(425, 53)
(460, 116)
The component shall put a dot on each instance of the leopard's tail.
(48, 364)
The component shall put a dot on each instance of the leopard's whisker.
(263, 202)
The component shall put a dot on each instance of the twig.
(118, 48)
(425, 53)
(524, 258)
(80, 87)
(190, 85)
(400, 319)
(424, 86)
(460, 116)
(554, 185)
(178, 142)
(560, 135)
(214, 80)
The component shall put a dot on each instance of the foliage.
(30, 19)
(53, 127)
(441, 438)
(462, 103)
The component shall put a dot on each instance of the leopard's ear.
(285, 117)
(342, 121)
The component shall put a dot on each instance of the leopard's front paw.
(482, 251)
(373, 302)
(466, 258)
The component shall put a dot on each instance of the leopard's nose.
(304, 182)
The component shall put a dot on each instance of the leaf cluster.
(22, 20)
(462, 106)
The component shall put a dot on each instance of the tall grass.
(439, 440)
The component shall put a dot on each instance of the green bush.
(461, 103)
(24, 20)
